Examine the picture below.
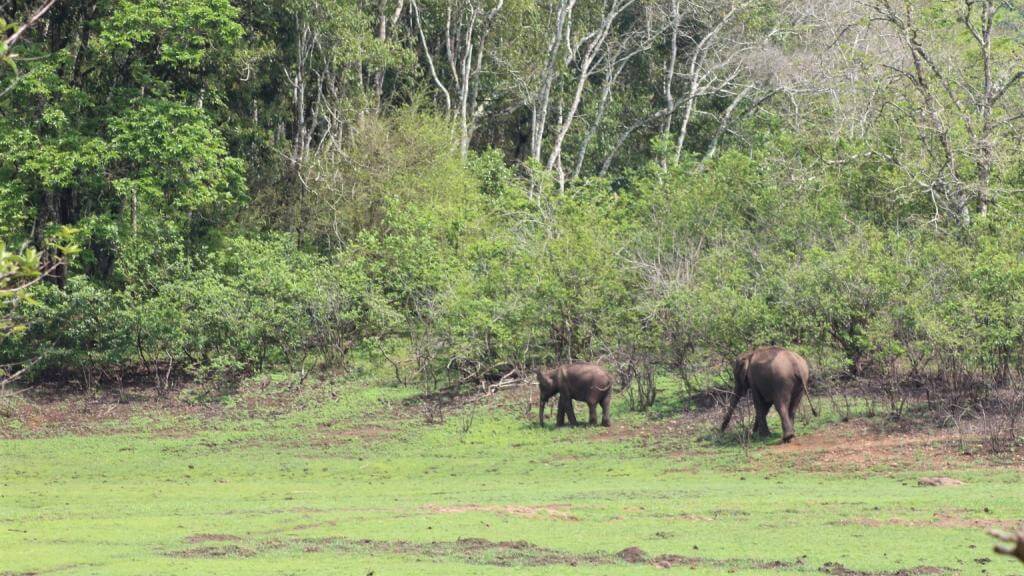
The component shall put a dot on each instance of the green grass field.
(353, 480)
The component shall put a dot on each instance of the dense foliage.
(467, 188)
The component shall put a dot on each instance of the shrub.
(252, 304)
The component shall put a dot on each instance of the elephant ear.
(542, 379)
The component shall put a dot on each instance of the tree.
(19, 271)
(16, 31)
(464, 46)
(958, 70)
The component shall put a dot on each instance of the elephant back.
(590, 375)
(562, 374)
(779, 362)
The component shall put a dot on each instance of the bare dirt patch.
(939, 481)
(632, 555)
(552, 511)
(336, 433)
(937, 520)
(710, 516)
(313, 525)
(713, 516)
(199, 538)
(214, 552)
(837, 569)
(853, 446)
(673, 560)
(468, 550)
(174, 413)
(520, 553)
(859, 445)
(513, 553)
(661, 433)
(46, 413)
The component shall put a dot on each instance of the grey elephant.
(776, 377)
(580, 381)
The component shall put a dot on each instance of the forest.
(465, 189)
(278, 277)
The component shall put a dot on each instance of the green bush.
(252, 304)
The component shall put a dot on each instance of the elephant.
(776, 377)
(579, 381)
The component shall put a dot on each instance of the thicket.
(259, 185)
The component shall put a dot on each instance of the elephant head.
(739, 375)
(546, 384)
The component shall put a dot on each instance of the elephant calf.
(776, 377)
(585, 382)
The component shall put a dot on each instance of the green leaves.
(171, 155)
(21, 269)
(6, 57)
(160, 40)
(125, 129)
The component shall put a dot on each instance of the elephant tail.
(807, 393)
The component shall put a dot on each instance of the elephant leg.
(570, 410)
(794, 402)
(561, 411)
(593, 412)
(606, 404)
(782, 407)
(761, 407)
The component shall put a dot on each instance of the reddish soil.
(47, 413)
(858, 445)
(42, 415)
(852, 446)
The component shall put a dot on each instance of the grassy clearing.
(349, 479)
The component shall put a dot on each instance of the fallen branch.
(9, 378)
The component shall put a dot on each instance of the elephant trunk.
(542, 401)
(545, 391)
(728, 413)
(739, 374)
